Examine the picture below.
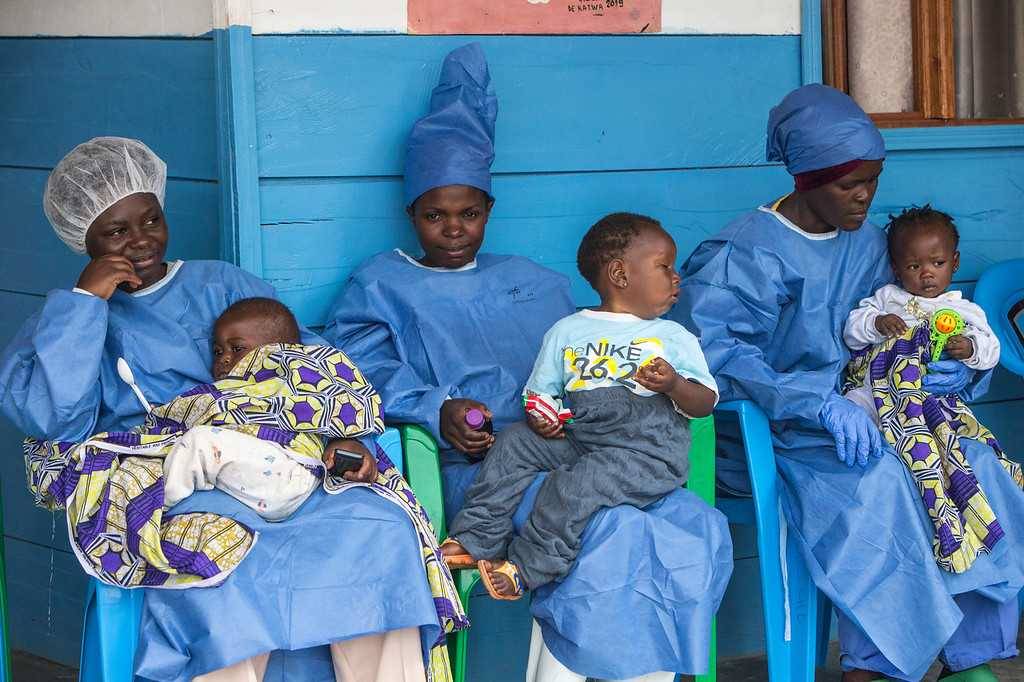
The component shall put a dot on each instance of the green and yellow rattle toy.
(946, 322)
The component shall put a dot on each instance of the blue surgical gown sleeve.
(736, 298)
(360, 325)
(50, 371)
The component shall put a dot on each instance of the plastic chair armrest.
(423, 471)
(702, 459)
(757, 443)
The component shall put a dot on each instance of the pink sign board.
(534, 16)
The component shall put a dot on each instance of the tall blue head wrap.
(817, 127)
(454, 143)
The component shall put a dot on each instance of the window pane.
(880, 55)
(989, 49)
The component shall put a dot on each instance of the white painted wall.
(105, 17)
(196, 17)
(769, 17)
(298, 16)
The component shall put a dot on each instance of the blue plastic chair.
(792, 658)
(110, 634)
(998, 288)
(112, 614)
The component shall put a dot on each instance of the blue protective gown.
(651, 578)
(769, 302)
(58, 380)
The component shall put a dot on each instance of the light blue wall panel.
(316, 231)
(982, 189)
(343, 105)
(342, 221)
(60, 92)
(45, 592)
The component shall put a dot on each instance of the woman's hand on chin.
(460, 434)
(103, 275)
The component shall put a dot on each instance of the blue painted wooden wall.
(56, 94)
(672, 126)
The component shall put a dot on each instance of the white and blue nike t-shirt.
(595, 349)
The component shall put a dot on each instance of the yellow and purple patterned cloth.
(294, 395)
(925, 430)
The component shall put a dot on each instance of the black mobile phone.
(346, 461)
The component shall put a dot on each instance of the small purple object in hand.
(476, 420)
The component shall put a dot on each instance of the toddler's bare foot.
(503, 586)
(452, 547)
(455, 555)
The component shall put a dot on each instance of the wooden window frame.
(933, 60)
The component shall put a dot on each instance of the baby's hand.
(657, 375)
(959, 347)
(890, 325)
(544, 428)
(367, 472)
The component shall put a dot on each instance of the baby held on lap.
(268, 477)
(923, 249)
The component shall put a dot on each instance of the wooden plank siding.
(58, 93)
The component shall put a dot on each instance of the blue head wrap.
(454, 143)
(817, 127)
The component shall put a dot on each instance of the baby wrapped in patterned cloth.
(269, 472)
(890, 334)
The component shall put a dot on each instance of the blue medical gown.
(769, 303)
(58, 380)
(642, 593)
(423, 335)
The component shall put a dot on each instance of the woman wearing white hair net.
(309, 581)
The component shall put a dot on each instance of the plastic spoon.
(125, 372)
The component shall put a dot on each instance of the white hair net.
(94, 176)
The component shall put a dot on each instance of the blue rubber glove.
(947, 376)
(857, 437)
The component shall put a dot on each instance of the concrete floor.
(755, 668)
(28, 668)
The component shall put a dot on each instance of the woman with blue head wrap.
(454, 330)
(768, 296)
(59, 381)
